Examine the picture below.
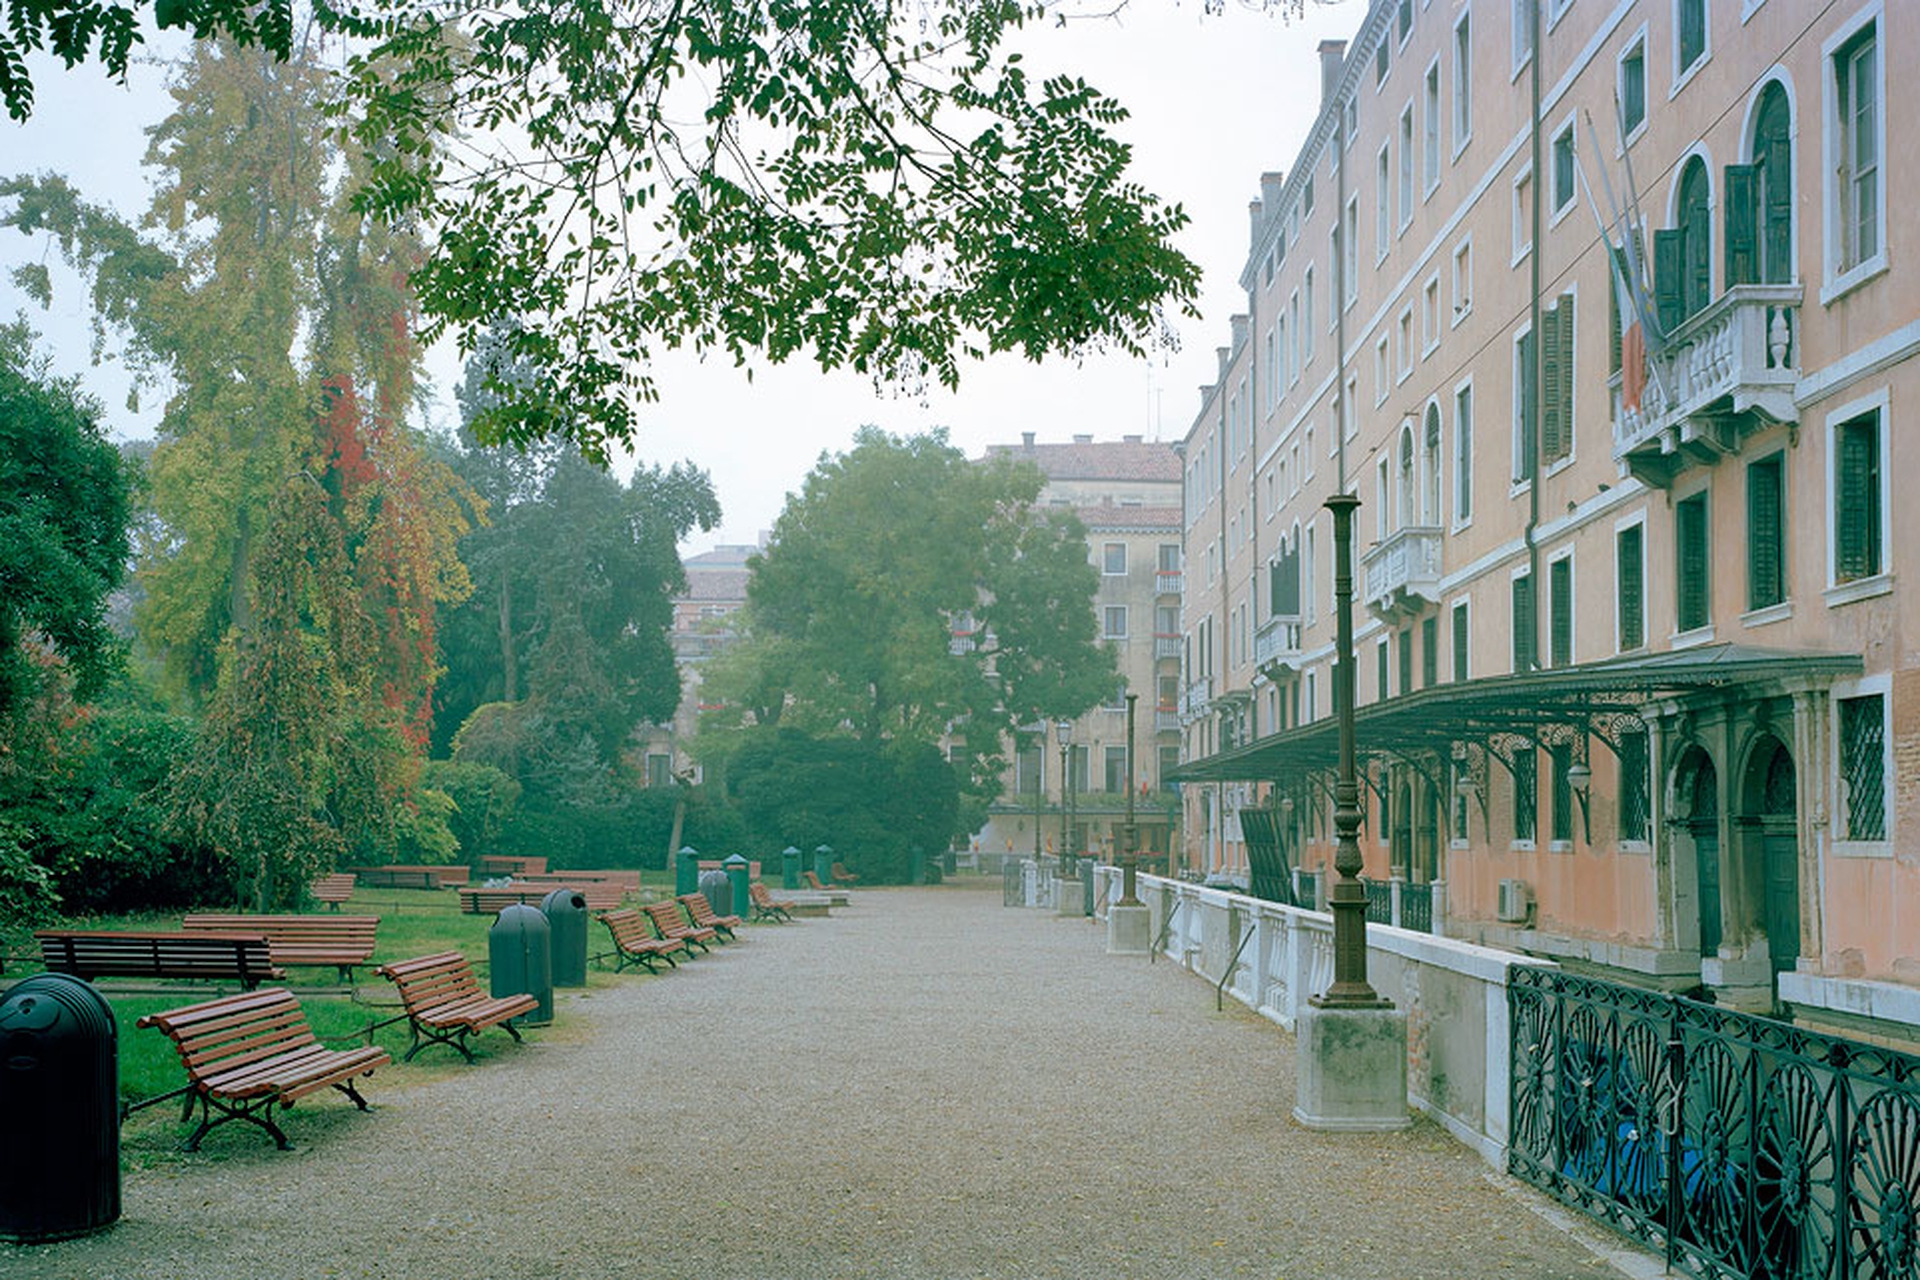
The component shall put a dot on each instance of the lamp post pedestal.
(1350, 1056)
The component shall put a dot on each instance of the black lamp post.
(1063, 733)
(1348, 899)
(1039, 783)
(1130, 848)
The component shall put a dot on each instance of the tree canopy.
(882, 188)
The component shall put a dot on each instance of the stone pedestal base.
(1069, 897)
(1129, 930)
(1350, 1068)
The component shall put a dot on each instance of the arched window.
(1430, 508)
(1683, 255)
(1408, 512)
(1773, 202)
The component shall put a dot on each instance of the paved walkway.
(926, 1085)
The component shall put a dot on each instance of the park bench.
(246, 1054)
(766, 906)
(506, 864)
(702, 913)
(716, 864)
(671, 924)
(840, 874)
(480, 899)
(444, 1002)
(149, 953)
(411, 876)
(813, 882)
(627, 880)
(332, 889)
(341, 941)
(635, 942)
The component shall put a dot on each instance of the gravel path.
(926, 1085)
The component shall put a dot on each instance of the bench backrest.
(219, 1035)
(337, 887)
(699, 908)
(511, 864)
(716, 864)
(667, 918)
(812, 879)
(628, 927)
(293, 934)
(91, 953)
(428, 981)
(625, 879)
(759, 892)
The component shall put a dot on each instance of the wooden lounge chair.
(766, 906)
(703, 915)
(635, 942)
(667, 919)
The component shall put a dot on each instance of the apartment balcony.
(1166, 719)
(1403, 571)
(1169, 582)
(1195, 699)
(1166, 646)
(1276, 646)
(961, 642)
(1727, 371)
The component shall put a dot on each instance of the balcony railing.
(1166, 720)
(1728, 370)
(1276, 644)
(961, 642)
(1169, 582)
(1194, 700)
(1403, 571)
(1166, 646)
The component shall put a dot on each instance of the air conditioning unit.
(1516, 901)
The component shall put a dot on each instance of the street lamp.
(1063, 733)
(1130, 850)
(1039, 784)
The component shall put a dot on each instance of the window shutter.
(1690, 518)
(1564, 338)
(1285, 583)
(1858, 519)
(1764, 579)
(1460, 642)
(1699, 270)
(1632, 589)
(1523, 626)
(1669, 264)
(1552, 376)
(1743, 241)
(1778, 212)
(1560, 616)
(1529, 425)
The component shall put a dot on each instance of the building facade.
(1127, 494)
(1638, 678)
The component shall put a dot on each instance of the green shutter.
(1669, 265)
(1778, 213)
(1460, 642)
(1523, 624)
(1743, 240)
(1380, 653)
(1765, 580)
(1632, 588)
(1690, 521)
(1857, 553)
(1551, 376)
(1429, 652)
(1564, 357)
(1529, 408)
(1406, 660)
(1560, 615)
(1699, 229)
(1284, 599)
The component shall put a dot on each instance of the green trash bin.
(686, 871)
(738, 870)
(789, 868)
(520, 959)
(823, 863)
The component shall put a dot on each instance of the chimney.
(1332, 58)
(1131, 439)
(1223, 354)
(1271, 185)
(1240, 326)
(1083, 439)
(1026, 440)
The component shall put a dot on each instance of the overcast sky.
(1216, 99)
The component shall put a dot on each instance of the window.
(1683, 255)
(1630, 592)
(1560, 612)
(1382, 63)
(1462, 82)
(1632, 88)
(1522, 33)
(1383, 501)
(1523, 623)
(1522, 214)
(1116, 770)
(1429, 651)
(659, 769)
(1381, 689)
(1308, 473)
(1556, 380)
(1759, 199)
(1306, 579)
(1859, 500)
(1462, 641)
(1525, 795)
(1406, 166)
(1306, 316)
(1560, 760)
(1273, 368)
(1430, 468)
(1408, 515)
(1027, 770)
(1463, 455)
(1430, 317)
(1290, 339)
(1691, 563)
(1404, 641)
(1169, 761)
(1166, 620)
(1405, 332)
(1636, 787)
(1350, 263)
(1381, 371)
(1169, 557)
(1462, 280)
(1430, 130)
(1113, 558)
(1116, 622)
(1863, 767)
(1857, 139)
(1565, 180)
(1403, 21)
(1383, 200)
(1306, 197)
(1690, 27)
(1766, 532)
(1313, 682)
(1522, 470)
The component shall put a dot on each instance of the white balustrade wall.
(1454, 993)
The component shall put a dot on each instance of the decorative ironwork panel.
(1379, 902)
(1741, 1146)
(1416, 907)
(1863, 763)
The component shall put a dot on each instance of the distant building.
(1127, 494)
(716, 590)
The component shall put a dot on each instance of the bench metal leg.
(346, 1087)
(258, 1111)
(455, 1037)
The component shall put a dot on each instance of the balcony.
(1726, 371)
(1166, 720)
(961, 642)
(1166, 646)
(1403, 571)
(1276, 647)
(1169, 582)
(1194, 701)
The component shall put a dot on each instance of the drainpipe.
(1537, 408)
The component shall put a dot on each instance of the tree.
(889, 553)
(64, 502)
(881, 189)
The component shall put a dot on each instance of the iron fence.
(1013, 887)
(1379, 901)
(1741, 1146)
(1416, 907)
